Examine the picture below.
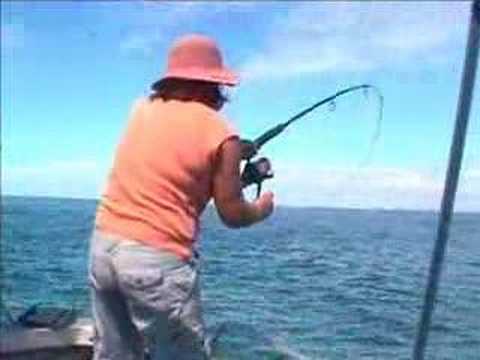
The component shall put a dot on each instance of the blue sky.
(70, 72)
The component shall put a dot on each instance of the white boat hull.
(73, 342)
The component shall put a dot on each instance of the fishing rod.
(255, 172)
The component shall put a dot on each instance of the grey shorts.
(144, 300)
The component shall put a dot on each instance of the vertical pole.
(451, 182)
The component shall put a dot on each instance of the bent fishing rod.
(252, 173)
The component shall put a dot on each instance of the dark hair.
(208, 93)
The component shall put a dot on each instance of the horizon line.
(326, 207)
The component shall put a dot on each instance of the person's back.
(176, 154)
(163, 173)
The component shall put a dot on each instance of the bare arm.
(231, 206)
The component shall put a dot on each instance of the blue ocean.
(309, 283)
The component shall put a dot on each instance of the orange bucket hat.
(197, 57)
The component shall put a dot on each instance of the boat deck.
(70, 343)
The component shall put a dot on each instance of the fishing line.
(252, 175)
(225, 329)
(278, 129)
(378, 128)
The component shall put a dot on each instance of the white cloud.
(147, 26)
(68, 178)
(473, 174)
(470, 182)
(155, 21)
(55, 168)
(294, 185)
(357, 36)
(391, 188)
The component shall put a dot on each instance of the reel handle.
(256, 172)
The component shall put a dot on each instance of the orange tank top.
(161, 178)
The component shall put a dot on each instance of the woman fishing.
(176, 154)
